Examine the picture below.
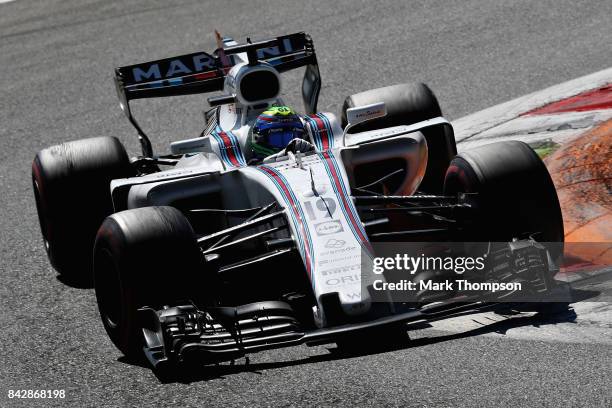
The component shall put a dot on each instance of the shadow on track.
(189, 373)
(76, 282)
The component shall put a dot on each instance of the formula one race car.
(212, 251)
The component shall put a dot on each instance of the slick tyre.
(71, 185)
(407, 104)
(515, 196)
(142, 257)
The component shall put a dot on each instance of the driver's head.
(274, 129)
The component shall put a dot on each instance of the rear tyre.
(143, 257)
(407, 104)
(71, 185)
(516, 197)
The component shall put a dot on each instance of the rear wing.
(202, 72)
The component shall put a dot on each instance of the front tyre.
(142, 257)
(515, 196)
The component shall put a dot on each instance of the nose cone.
(355, 305)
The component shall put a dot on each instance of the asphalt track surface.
(57, 60)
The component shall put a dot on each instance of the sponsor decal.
(363, 113)
(264, 53)
(342, 269)
(339, 255)
(200, 63)
(335, 243)
(344, 280)
(174, 67)
(328, 228)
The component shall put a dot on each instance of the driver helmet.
(274, 129)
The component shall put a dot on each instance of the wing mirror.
(360, 114)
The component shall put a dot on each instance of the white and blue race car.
(209, 253)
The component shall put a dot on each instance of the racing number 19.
(326, 207)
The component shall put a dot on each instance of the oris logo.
(328, 228)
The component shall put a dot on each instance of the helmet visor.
(279, 139)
